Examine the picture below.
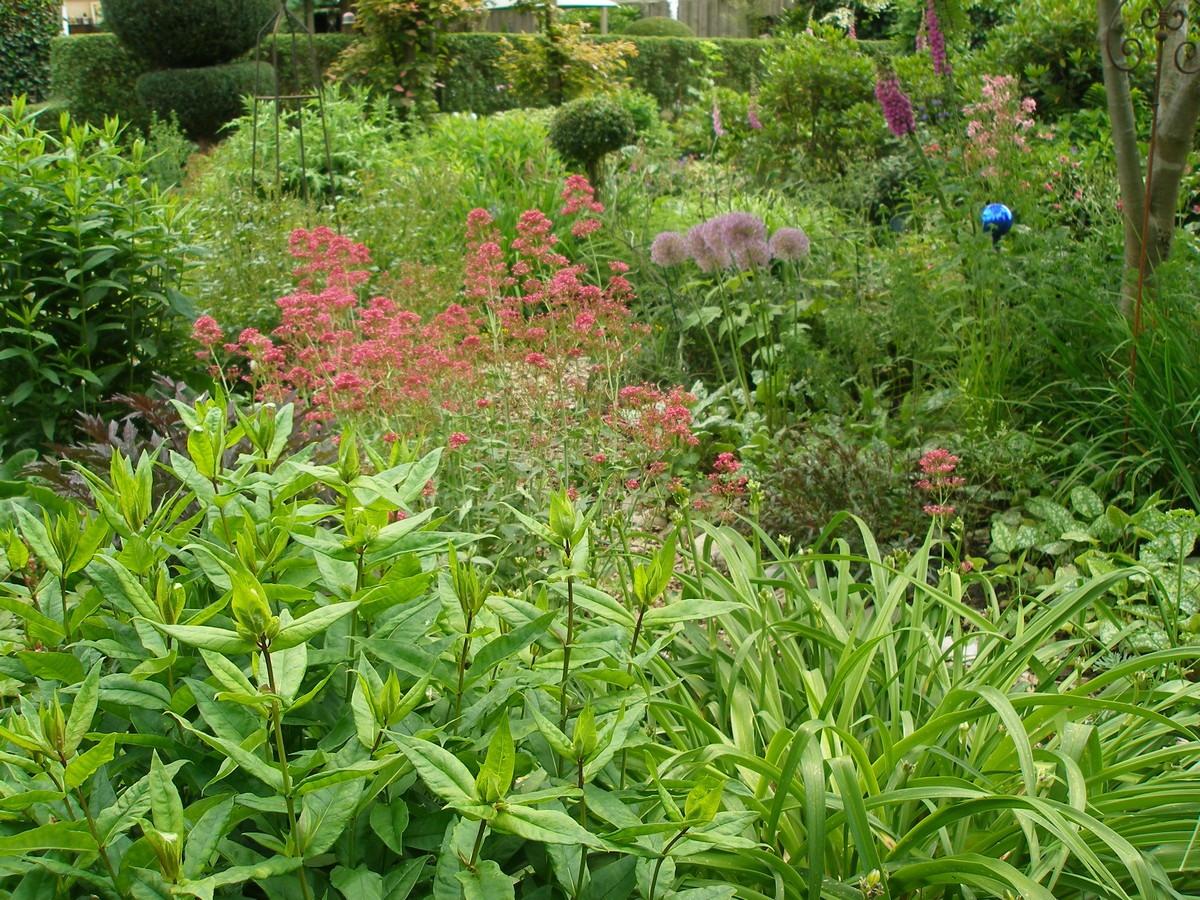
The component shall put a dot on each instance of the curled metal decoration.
(1158, 19)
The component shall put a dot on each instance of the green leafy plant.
(89, 279)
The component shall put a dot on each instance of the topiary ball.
(586, 129)
(658, 26)
(204, 100)
(188, 33)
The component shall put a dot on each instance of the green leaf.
(687, 610)
(440, 770)
(202, 840)
(165, 806)
(487, 882)
(545, 825)
(82, 711)
(82, 767)
(496, 774)
(245, 760)
(206, 637)
(312, 624)
(558, 741)
(389, 822)
(358, 884)
(704, 799)
(55, 836)
(325, 815)
(53, 666)
(230, 677)
(504, 646)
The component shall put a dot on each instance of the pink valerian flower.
(580, 196)
(458, 439)
(897, 108)
(632, 484)
(206, 332)
(938, 479)
(726, 491)
(937, 40)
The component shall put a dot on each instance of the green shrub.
(90, 258)
(188, 33)
(658, 26)
(26, 29)
(1051, 44)
(669, 69)
(587, 129)
(204, 100)
(95, 76)
(818, 100)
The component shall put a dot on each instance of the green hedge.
(326, 48)
(26, 29)
(94, 76)
(206, 99)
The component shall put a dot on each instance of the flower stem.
(281, 753)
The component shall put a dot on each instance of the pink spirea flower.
(668, 249)
(897, 108)
(790, 244)
(458, 439)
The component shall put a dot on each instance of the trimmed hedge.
(27, 28)
(94, 76)
(656, 26)
(204, 100)
(188, 33)
(326, 48)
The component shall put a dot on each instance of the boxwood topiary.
(204, 100)
(658, 26)
(585, 130)
(188, 33)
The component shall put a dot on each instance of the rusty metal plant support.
(1126, 52)
(285, 25)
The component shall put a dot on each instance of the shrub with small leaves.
(584, 131)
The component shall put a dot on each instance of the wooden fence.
(708, 18)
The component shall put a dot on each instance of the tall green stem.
(281, 753)
(566, 669)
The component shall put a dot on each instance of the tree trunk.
(1177, 109)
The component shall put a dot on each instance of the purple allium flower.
(897, 108)
(699, 249)
(716, 117)
(790, 244)
(742, 236)
(937, 41)
(668, 249)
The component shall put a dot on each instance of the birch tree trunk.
(1177, 109)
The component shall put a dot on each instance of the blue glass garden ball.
(997, 219)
